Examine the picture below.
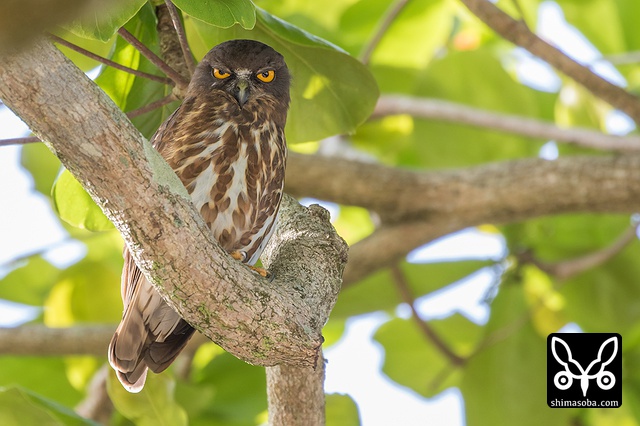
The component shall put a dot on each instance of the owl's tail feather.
(150, 336)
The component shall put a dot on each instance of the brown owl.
(226, 143)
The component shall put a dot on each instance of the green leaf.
(331, 92)
(103, 22)
(41, 164)
(30, 283)
(505, 383)
(44, 375)
(19, 407)
(405, 42)
(75, 206)
(155, 405)
(86, 292)
(412, 142)
(412, 360)
(224, 392)
(341, 410)
(130, 92)
(603, 298)
(98, 47)
(378, 292)
(221, 13)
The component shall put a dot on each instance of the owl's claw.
(239, 255)
(242, 256)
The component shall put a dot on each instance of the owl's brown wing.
(151, 334)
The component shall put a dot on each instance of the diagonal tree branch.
(259, 322)
(518, 33)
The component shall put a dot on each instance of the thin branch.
(430, 334)
(19, 141)
(97, 405)
(109, 62)
(458, 113)
(44, 341)
(627, 58)
(180, 81)
(518, 33)
(153, 105)
(390, 15)
(182, 36)
(570, 268)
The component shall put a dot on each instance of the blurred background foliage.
(431, 49)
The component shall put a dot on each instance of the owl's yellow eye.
(266, 76)
(221, 75)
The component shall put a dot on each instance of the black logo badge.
(584, 370)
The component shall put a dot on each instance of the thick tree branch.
(418, 207)
(518, 33)
(260, 322)
(437, 109)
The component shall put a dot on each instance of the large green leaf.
(221, 13)
(86, 292)
(19, 407)
(332, 92)
(505, 383)
(235, 392)
(155, 405)
(41, 164)
(604, 298)
(30, 283)
(44, 375)
(413, 361)
(103, 22)
(405, 42)
(341, 411)
(378, 292)
(130, 92)
(75, 206)
(403, 140)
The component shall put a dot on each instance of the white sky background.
(27, 226)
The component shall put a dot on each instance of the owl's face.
(246, 70)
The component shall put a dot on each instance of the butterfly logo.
(564, 379)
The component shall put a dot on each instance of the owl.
(227, 145)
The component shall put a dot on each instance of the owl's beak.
(241, 91)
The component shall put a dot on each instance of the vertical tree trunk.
(296, 395)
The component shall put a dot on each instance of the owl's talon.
(262, 272)
(239, 255)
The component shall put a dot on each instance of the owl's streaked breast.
(235, 182)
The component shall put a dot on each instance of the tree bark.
(260, 322)
(305, 386)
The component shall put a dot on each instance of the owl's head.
(245, 69)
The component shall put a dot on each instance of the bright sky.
(27, 226)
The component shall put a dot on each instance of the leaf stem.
(391, 14)
(154, 59)
(108, 62)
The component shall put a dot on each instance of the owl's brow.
(243, 72)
